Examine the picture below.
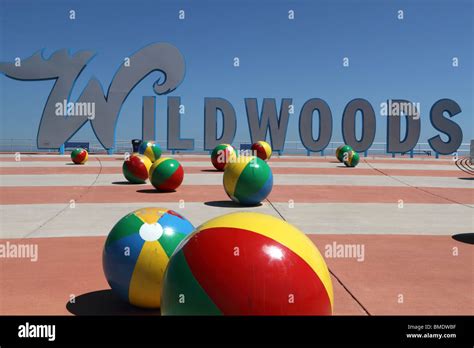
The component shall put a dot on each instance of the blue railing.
(291, 148)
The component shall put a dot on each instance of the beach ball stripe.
(136, 168)
(338, 150)
(166, 174)
(170, 244)
(117, 279)
(240, 187)
(206, 283)
(263, 149)
(140, 282)
(277, 230)
(152, 259)
(150, 149)
(79, 156)
(181, 279)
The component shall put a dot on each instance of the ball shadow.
(467, 238)
(212, 171)
(74, 164)
(105, 302)
(229, 204)
(154, 191)
(126, 183)
(471, 178)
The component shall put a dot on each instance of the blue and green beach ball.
(150, 149)
(351, 158)
(341, 151)
(248, 181)
(137, 251)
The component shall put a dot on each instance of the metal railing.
(291, 147)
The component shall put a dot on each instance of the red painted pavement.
(195, 193)
(422, 269)
(434, 274)
(340, 170)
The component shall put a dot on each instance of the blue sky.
(299, 59)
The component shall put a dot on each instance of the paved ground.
(402, 213)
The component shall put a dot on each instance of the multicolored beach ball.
(351, 158)
(248, 181)
(341, 150)
(136, 168)
(262, 149)
(223, 154)
(79, 156)
(247, 264)
(150, 149)
(137, 252)
(166, 174)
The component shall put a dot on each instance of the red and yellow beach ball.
(135, 169)
(247, 264)
(79, 156)
(223, 154)
(166, 174)
(262, 149)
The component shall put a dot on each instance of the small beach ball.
(135, 169)
(150, 149)
(166, 174)
(79, 156)
(351, 159)
(341, 150)
(262, 149)
(223, 154)
(248, 181)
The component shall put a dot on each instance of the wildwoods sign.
(61, 118)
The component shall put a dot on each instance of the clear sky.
(300, 59)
